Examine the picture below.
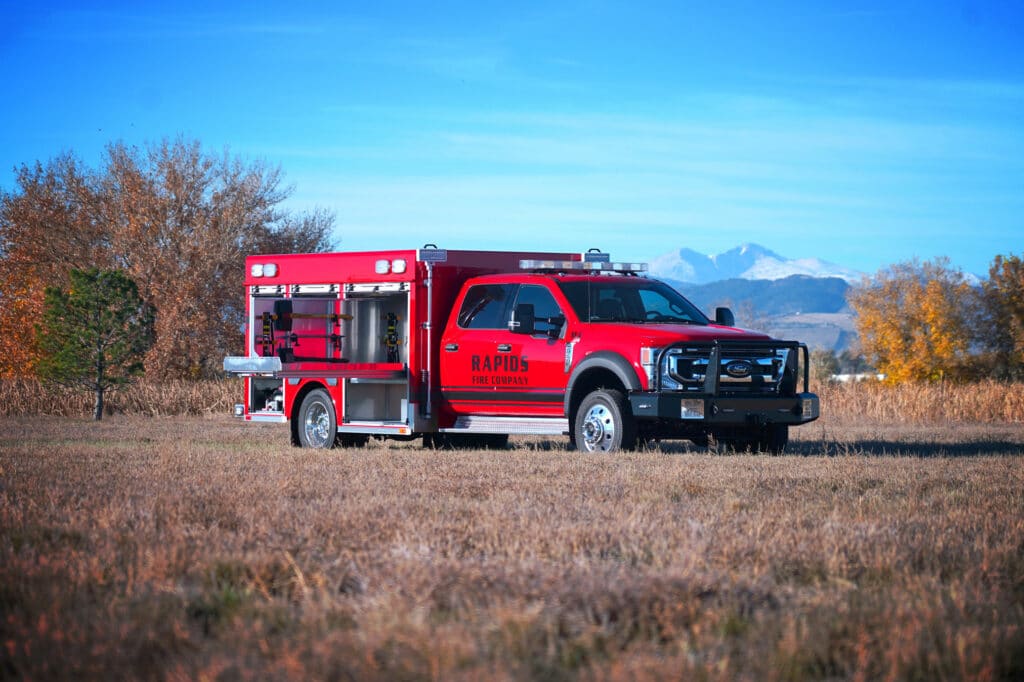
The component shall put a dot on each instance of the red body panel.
(359, 268)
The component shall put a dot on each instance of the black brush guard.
(735, 406)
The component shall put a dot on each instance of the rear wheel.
(318, 426)
(603, 423)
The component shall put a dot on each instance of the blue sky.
(863, 133)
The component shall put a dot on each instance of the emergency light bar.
(577, 266)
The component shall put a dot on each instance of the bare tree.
(179, 221)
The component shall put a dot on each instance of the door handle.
(451, 347)
(504, 347)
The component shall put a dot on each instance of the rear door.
(488, 369)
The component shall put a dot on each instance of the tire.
(318, 426)
(603, 423)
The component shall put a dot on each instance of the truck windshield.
(621, 299)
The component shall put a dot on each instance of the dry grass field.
(198, 547)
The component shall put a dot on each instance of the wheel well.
(590, 381)
(297, 405)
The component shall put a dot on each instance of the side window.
(545, 310)
(609, 306)
(486, 306)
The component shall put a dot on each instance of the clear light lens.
(256, 270)
(691, 409)
(269, 270)
(381, 267)
(572, 265)
(398, 266)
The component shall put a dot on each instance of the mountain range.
(802, 299)
(748, 261)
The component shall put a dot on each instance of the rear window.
(486, 306)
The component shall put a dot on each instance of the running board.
(536, 426)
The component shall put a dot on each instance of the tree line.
(174, 219)
(175, 223)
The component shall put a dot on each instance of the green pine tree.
(94, 335)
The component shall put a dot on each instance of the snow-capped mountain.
(749, 261)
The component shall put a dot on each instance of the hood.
(663, 334)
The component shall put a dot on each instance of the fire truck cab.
(471, 346)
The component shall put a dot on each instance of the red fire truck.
(468, 347)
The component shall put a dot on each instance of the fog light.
(807, 409)
(691, 409)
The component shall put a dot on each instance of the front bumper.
(722, 410)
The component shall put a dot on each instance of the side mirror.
(724, 317)
(283, 315)
(557, 323)
(523, 320)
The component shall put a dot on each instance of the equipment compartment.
(375, 401)
(379, 328)
(266, 395)
(301, 328)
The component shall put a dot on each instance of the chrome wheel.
(599, 429)
(316, 425)
(603, 423)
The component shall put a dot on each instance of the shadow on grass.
(975, 447)
(871, 448)
(910, 448)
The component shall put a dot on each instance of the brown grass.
(203, 548)
(985, 402)
(20, 397)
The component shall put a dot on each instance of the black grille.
(764, 368)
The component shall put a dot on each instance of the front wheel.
(318, 427)
(603, 423)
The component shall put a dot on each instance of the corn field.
(984, 402)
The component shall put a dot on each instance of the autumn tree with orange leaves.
(914, 321)
(177, 220)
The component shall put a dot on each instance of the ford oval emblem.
(739, 369)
